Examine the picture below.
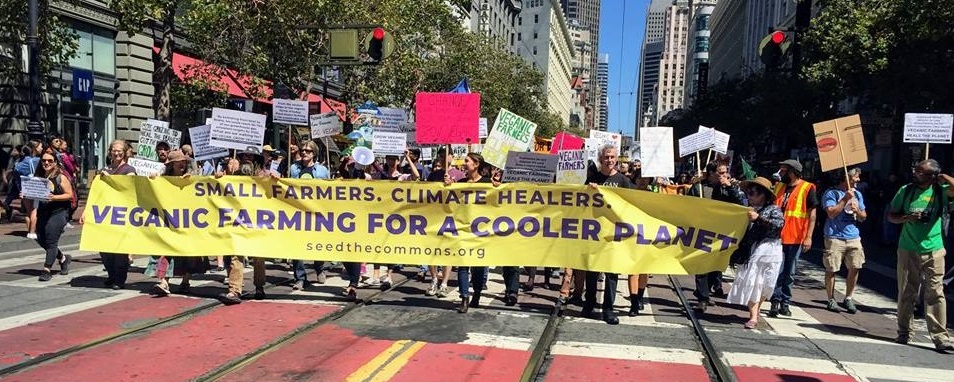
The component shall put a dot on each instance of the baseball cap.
(793, 164)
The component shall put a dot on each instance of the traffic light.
(773, 48)
(378, 45)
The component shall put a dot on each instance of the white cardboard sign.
(391, 119)
(389, 143)
(289, 112)
(35, 188)
(145, 167)
(482, 128)
(325, 125)
(657, 152)
(571, 167)
(720, 140)
(694, 143)
(200, 144)
(233, 129)
(928, 128)
(151, 132)
(606, 137)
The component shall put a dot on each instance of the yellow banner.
(603, 229)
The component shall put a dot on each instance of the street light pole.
(35, 126)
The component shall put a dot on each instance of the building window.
(536, 19)
(534, 35)
(534, 51)
(520, 21)
(96, 49)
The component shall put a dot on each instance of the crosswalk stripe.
(769, 361)
(627, 352)
(497, 341)
(897, 373)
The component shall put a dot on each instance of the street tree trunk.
(164, 71)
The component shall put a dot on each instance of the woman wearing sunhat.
(760, 253)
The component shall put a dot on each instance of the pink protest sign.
(566, 141)
(447, 118)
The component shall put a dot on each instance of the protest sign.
(571, 167)
(233, 129)
(410, 131)
(200, 144)
(145, 167)
(928, 128)
(391, 119)
(35, 188)
(657, 151)
(720, 140)
(482, 128)
(325, 124)
(696, 142)
(458, 152)
(289, 112)
(389, 143)
(607, 229)
(591, 146)
(427, 154)
(151, 132)
(530, 167)
(511, 133)
(566, 141)
(605, 137)
(331, 145)
(446, 118)
(841, 142)
(635, 151)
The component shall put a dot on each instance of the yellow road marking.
(386, 364)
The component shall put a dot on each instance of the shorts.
(837, 250)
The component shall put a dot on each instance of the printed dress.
(756, 278)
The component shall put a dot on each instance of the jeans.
(49, 228)
(354, 273)
(704, 283)
(511, 276)
(299, 266)
(786, 275)
(117, 267)
(465, 277)
(609, 291)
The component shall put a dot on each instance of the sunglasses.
(48, 160)
(307, 151)
(752, 193)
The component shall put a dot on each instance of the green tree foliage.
(889, 53)
(57, 40)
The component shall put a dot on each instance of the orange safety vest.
(796, 211)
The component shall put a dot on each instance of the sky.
(622, 25)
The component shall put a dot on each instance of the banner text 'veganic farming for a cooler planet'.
(603, 229)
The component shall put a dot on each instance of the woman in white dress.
(760, 253)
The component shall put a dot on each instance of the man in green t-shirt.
(919, 208)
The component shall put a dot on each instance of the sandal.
(230, 298)
(751, 324)
(161, 289)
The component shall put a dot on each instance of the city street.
(74, 328)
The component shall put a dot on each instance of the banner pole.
(699, 171)
(288, 154)
(841, 149)
(709, 157)
(927, 151)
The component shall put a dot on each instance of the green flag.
(747, 171)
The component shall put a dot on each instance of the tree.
(57, 40)
(892, 54)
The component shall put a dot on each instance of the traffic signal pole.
(35, 126)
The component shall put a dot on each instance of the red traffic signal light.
(378, 33)
(778, 37)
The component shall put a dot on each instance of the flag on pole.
(747, 171)
(462, 87)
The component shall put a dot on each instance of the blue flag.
(462, 87)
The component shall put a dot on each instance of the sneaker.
(371, 282)
(230, 298)
(903, 339)
(259, 293)
(773, 310)
(701, 306)
(850, 306)
(31, 236)
(322, 278)
(442, 292)
(352, 294)
(185, 288)
(65, 265)
(386, 283)
(785, 311)
(161, 290)
(611, 319)
(634, 310)
(718, 293)
(432, 290)
(944, 345)
(832, 305)
(46, 276)
(299, 285)
(69, 226)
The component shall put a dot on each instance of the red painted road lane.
(328, 353)
(576, 368)
(184, 351)
(456, 362)
(758, 374)
(27, 342)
